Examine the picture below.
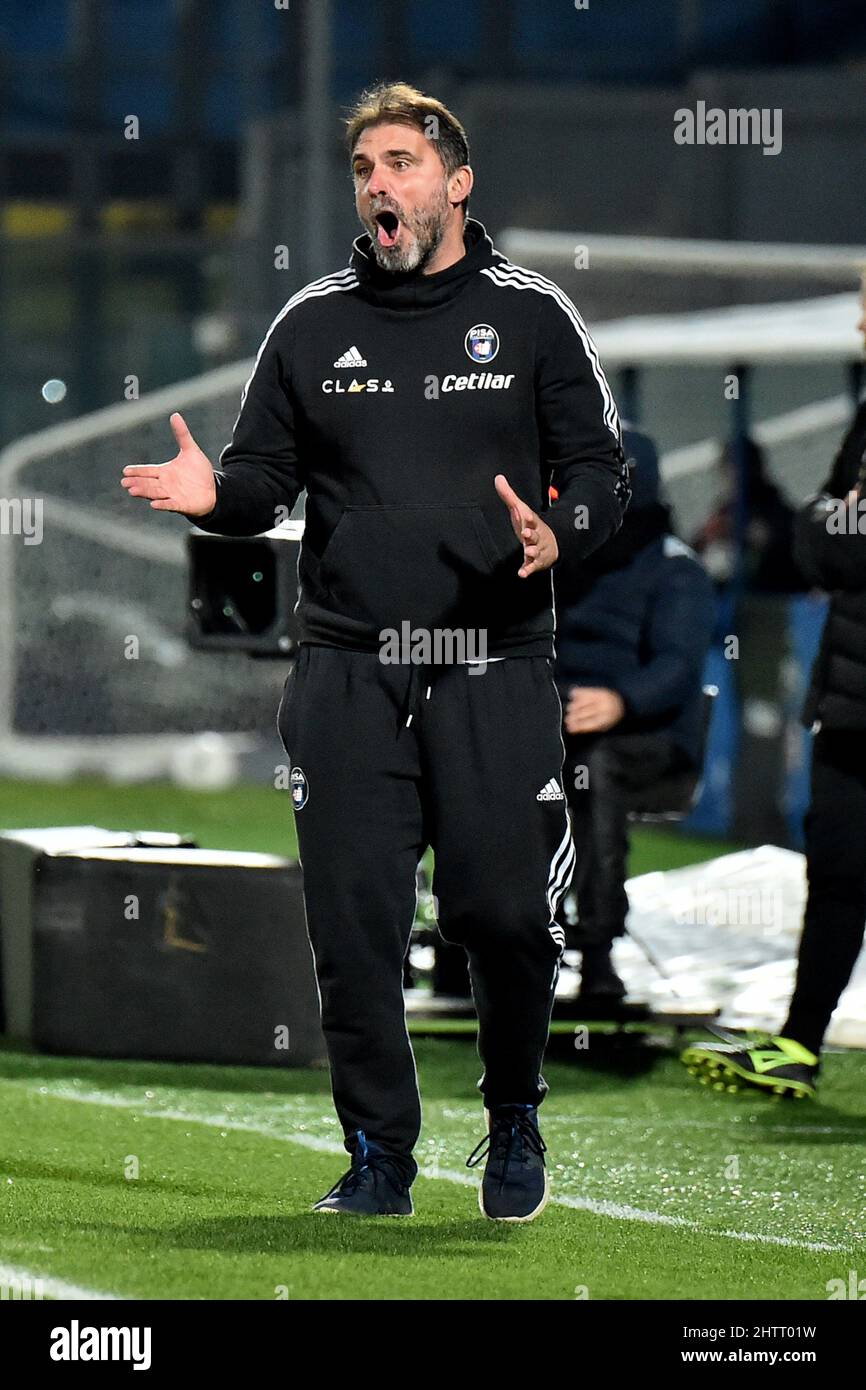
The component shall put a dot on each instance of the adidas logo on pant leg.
(551, 791)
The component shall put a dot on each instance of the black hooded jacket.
(395, 399)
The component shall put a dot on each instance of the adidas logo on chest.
(351, 358)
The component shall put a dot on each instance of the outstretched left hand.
(540, 549)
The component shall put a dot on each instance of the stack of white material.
(727, 931)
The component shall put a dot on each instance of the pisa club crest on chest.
(482, 343)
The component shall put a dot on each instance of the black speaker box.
(155, 951)
(243, 591)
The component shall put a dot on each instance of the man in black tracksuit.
(830, 548)
(425, 408)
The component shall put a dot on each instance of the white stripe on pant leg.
(561, 867)
(561, 849)
(563, 879)
(563, 876)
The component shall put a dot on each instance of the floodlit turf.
(668, 1184)
(246, 817)
(661, 1188)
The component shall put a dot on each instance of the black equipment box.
(116, 947)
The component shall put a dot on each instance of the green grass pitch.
(152, 1180)
(661, 1189)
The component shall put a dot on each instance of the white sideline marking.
(598, 1207)
(54, 1288)
(620, 1211)
(602, 1121)
(856, 1131)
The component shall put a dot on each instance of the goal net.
(96, 674)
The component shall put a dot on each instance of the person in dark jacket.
(426, 396)
(755, 610)
(830, 548)
(633, 634)
(769, 565)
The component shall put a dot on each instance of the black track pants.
(835, 915)
(385, 760)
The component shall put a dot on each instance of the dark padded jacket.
(835, 560)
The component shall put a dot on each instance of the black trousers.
(762, 625)
(386, 760)
(833, 925)
(600, 773)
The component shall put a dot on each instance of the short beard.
(427, 226)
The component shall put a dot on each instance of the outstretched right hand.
(185, 484)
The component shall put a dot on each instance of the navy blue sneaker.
(375, 1185)
(515, 1185)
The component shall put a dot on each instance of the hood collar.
(413, 289)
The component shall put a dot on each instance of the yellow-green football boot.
(778, 1066)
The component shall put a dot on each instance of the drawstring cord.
(420, 676)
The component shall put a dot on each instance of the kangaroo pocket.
(429, 564)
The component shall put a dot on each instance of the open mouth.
(388, 228)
